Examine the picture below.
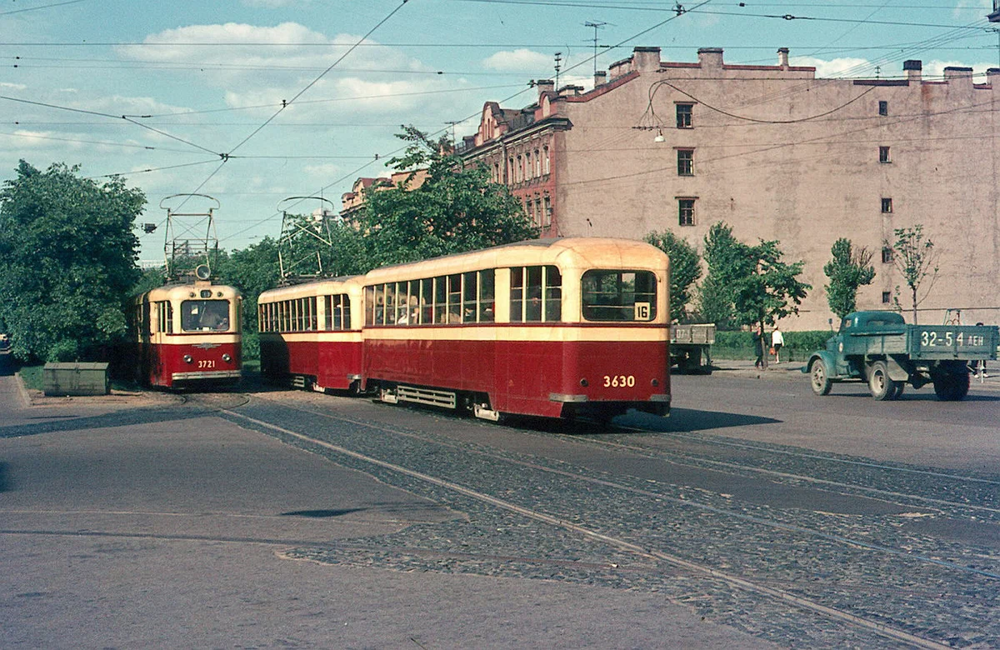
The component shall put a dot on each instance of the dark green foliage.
(685, 269)
(848, 270)
(67, 262)
(252, 270)
(798, 345)
(751, 281)
(456, 209)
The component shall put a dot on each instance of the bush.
(798, 345)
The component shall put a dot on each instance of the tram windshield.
(619, 295)
(205, 315)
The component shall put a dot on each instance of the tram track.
(698, 461)
(639, 550)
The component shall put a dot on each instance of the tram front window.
(205, 315)
(619, 296)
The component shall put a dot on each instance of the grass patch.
(31, 376)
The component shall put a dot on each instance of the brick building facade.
(775, 152)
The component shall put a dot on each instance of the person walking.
(759, 341)
(777, 341)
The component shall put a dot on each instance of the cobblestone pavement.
(869, 561)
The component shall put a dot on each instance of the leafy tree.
(716, 298)
(685, 269)
(67, 261)
(848, 270)
(752, 280)
(456, 209)
(916, 260)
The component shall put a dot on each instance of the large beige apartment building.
(775, 152)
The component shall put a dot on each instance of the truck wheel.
(881, 386)
(821, 383)
(952, 387)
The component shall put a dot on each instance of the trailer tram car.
(310, 337)
(188, 335)
(553, 328)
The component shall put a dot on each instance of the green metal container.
(63, 379)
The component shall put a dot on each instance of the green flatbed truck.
(881, 349)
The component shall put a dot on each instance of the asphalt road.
(305, 520)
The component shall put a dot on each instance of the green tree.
(685, 269)
(716, 297)
(753, 280)
(916, 260)
(455, 209)
(67, 261)
(848, 270)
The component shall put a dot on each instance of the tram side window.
(390, 304)
(535, 294)
(313, 314)
(469, 295)
(167, 317)
(369, 306)
(619, 295)
(426, 301)
(440, 300)
(204, 315)
(486, 295)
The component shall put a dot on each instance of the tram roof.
(566, 252)
(319, 286)
(189, 291)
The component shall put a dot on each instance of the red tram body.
(309, 335)
(188, 336)
(554, 328)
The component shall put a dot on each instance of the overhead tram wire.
(445, 129)
(57, 4)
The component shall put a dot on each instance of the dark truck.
(881, 349)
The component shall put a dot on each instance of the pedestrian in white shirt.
(777, 341)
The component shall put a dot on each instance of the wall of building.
(780, 154)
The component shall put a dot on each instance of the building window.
(684, 115)
(886, 297)
(883, 155)
(538, 166)
(685, 212)
(547, 214)
(886, 255)
(886, 205)
(883, 108)
(685, 162)
(546, 163)
(518, 170)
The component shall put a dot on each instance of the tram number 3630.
(619, 381)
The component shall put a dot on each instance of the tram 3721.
(555, 328)
(188, 335)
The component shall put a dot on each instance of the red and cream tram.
(555, 328)
(188, 335)
(310, 336)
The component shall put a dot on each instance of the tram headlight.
(227, 358)
(188, 358)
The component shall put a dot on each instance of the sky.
(255, 101)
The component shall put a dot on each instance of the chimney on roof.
(710, 57)
(646, 59)
(912, 69)
(783, 58)
(600, 78)
(544, 86)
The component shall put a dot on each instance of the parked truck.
(691, 347)
(881, 349)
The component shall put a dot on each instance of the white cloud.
(518, 60)
(844, 67)
(13, 86)
(935, 69)
(965, 7)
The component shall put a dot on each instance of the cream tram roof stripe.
(330, 286)
(573, 252)
(184, 291)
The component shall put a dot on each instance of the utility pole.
(558, 68)
(596, 27)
